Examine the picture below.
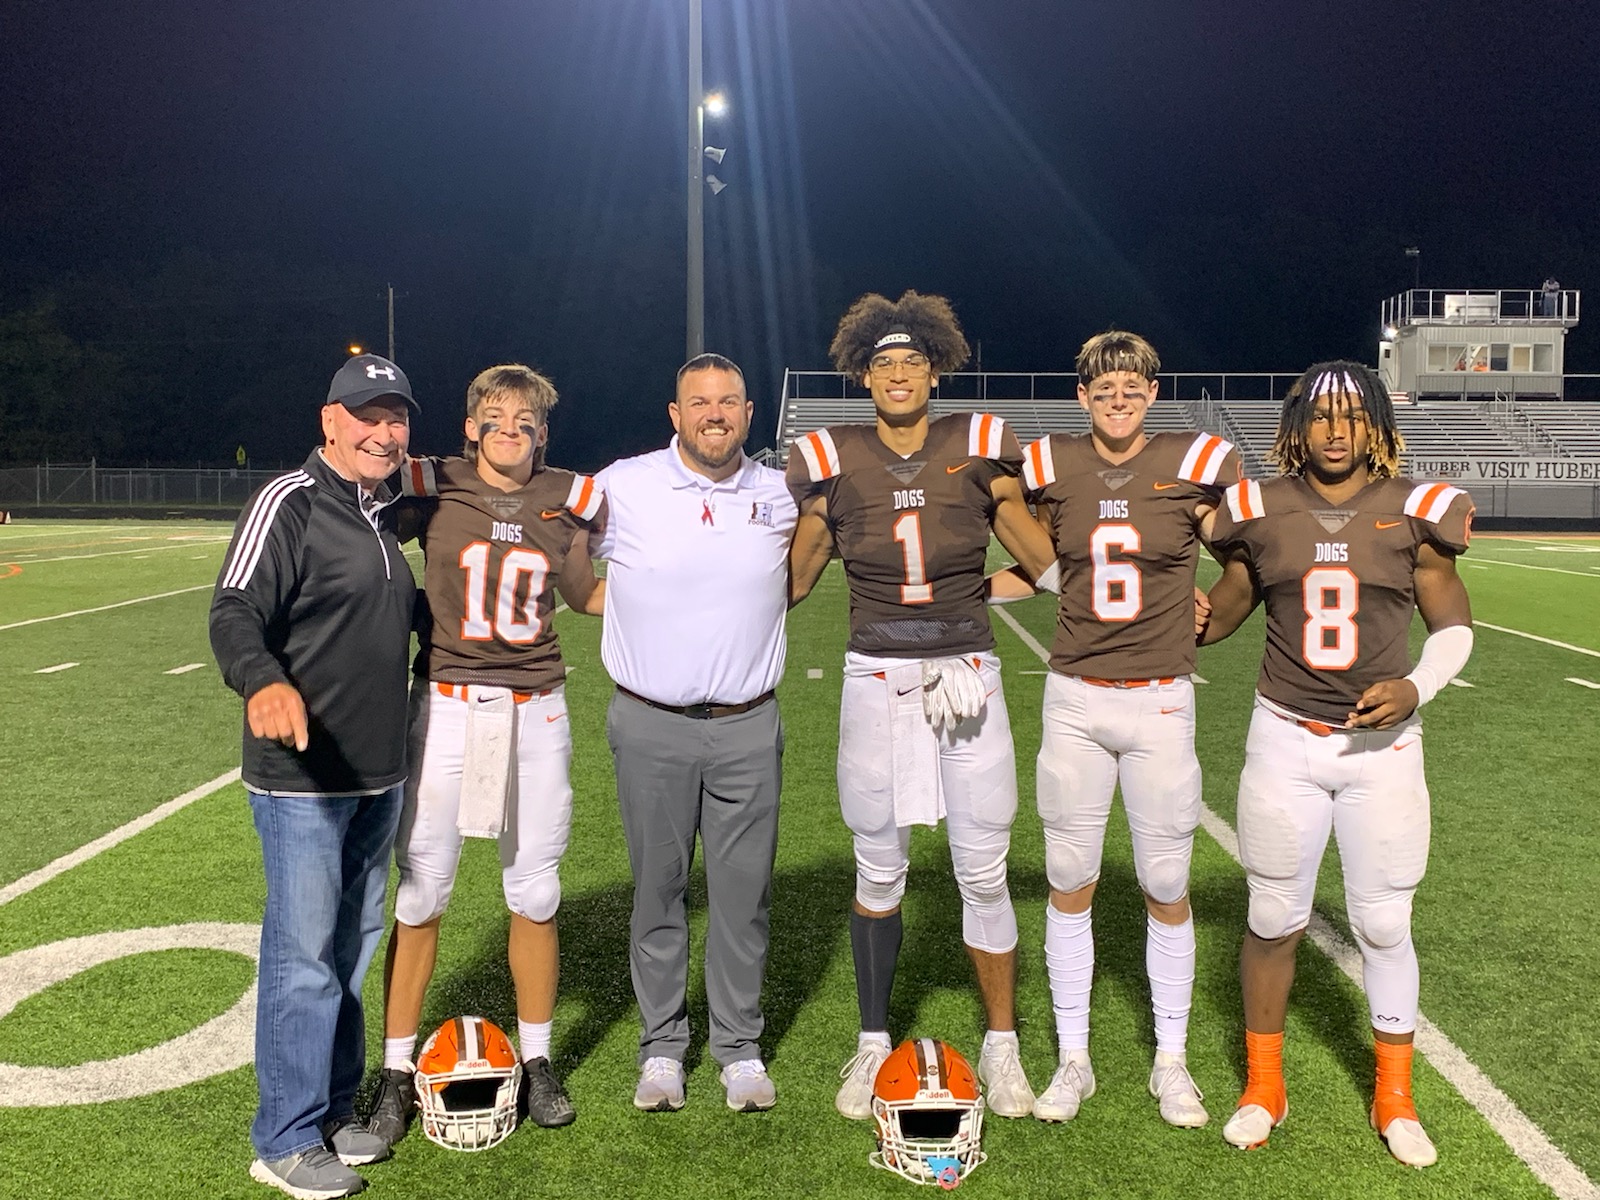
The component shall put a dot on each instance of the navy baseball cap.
(369, 377)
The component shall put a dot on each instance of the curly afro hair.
(929, 320)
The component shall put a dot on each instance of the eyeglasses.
(913, 364)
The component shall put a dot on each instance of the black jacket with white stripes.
(314, 594)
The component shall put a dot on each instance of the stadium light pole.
(697, 217)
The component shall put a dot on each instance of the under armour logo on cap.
(369, 377)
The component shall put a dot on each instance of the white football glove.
(952, 691)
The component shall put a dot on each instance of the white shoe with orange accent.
(1397, 1124)
(1259, 1113)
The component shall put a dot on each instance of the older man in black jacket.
(311, 623)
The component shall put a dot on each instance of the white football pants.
(427, 847)
(1095, 737)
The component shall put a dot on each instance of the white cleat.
(1174, 1087)
(1250, 1126)
(1006, 1091)
(1409, 1143)
(859, 1074)
(1070, 1086)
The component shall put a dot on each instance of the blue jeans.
(327, 866)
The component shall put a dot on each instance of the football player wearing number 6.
(490, 740)
(908, 504)
(1341, 550)
(1125, 511)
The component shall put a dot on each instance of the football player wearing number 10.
(490, 740)
(1125, 510)
(1341, 551)
(923, 732)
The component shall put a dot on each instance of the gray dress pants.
(677, 775)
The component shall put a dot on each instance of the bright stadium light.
(716, 105)
(354, 348)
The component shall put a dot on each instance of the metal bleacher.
(1574, 427)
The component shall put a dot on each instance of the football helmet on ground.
(468, 1075)
(929, 1114)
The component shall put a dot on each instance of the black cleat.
(543, 1098)
(392, 1106)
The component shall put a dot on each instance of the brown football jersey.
(1128, 543)
(913, 532)
(1337, 581)
(492, 559)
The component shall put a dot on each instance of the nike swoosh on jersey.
(958, 467)
(1386, 524)
(552, 720)
(1167, 712)
(1161, 487)
(1403, 745)
(550, 514)
(908, 691)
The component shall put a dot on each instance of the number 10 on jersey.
(517, 624)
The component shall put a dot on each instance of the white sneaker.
(1173, 1086)
(749, 1088)
(660, 1086)
(855, 1094)
(1006, 1091)
(1070, 1086)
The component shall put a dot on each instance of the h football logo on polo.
(374, 370)
(760, 514)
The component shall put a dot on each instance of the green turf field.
(1503, 923)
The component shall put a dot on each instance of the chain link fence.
(54, 484)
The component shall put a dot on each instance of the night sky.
(214, 195)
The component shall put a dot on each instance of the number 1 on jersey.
(908, 532)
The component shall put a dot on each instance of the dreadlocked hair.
(929, 320)
(511, 381)
(1116, 350)
(1291, 450)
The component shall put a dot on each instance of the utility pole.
(696, 340)
(391, 322)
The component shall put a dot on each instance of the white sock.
(1169, 961)
(998, 1037)
(1069, 958)
(533, 1040)
(878, 1038)
(397, 1052)
(1392, 982)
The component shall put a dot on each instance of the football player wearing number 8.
(490, 740)
(1341, 550)
(908, 504)
(1124, 510)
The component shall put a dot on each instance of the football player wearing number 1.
(1124, 509)
(490, 740)
(923, 731)
(1341, 550)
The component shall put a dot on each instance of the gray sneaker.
(749, 1088)
(660, 1086)
(354, 1143)
(314, 1174)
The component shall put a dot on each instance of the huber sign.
(1500, 470)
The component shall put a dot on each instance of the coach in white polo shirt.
(697, 541)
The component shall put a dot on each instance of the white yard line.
(185, 669)
(1500, 562)
(54, 669)
(1460, 683)
(1534, 637)
(1527, 1141)
(1583, 683)
(122, 833)
(188, 544)
(83, 612)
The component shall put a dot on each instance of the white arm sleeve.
(1443, 655)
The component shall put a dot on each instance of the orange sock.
(1264, 1084)
(1392, 1095)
